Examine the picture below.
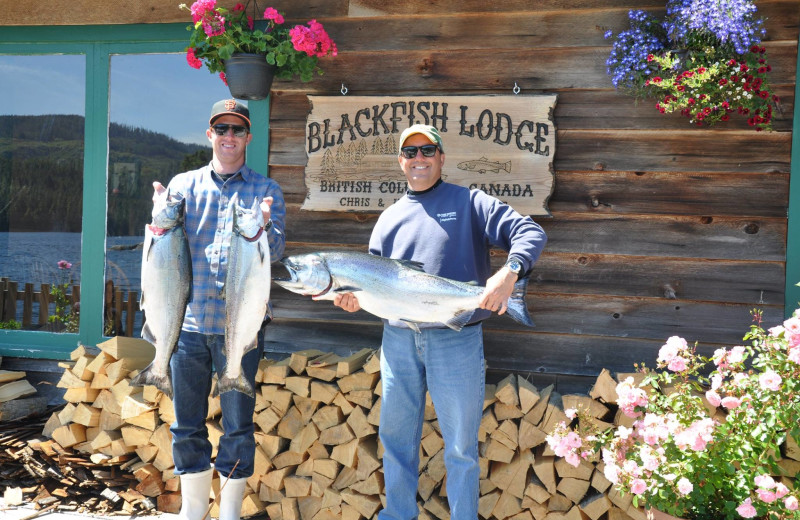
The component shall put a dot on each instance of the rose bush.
(217, 33)
(702, 444)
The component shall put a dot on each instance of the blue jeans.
(450, 366)
(191, 367)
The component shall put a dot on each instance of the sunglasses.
(428, 150)
(238, 130)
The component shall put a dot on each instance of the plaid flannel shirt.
(209, 226)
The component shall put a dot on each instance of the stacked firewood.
(318, 456)
(18, 397)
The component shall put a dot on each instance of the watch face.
(515, 266)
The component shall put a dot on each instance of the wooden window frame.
(98, 43)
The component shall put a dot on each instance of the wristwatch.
(515, 266)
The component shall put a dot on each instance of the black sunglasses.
(428, 150)
(238, 130)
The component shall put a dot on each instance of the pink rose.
(730, 402)
(638, 486)
(746, 509)
(713, 398)
(781, 490)
(764, 481)
(684, 486)
(791, 503)
(677, 364)
(770, 380)
(766, 495)
(736, 355)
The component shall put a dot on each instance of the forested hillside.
(41, 172)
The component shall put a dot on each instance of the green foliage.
(41, 173)
(10, 325)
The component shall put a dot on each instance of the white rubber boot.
(231, 498)
(195, 493)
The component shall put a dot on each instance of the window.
(137, 112)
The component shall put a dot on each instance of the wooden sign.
(503, 145)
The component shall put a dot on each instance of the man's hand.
(498, 290)
(265, 206)
(347, 301)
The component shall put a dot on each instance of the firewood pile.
(318, 456)
(18, 397)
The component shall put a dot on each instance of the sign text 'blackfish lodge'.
(503, 145)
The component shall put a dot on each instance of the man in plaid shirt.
(208, 192)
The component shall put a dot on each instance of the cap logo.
(230, 104)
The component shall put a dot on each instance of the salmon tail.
(517, 308)
(148, 377)
(240, 384)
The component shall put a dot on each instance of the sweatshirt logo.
(446, 217)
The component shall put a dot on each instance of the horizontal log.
(689, 149)
(532, 69)
(729, 238)
(616, 192)
(604, 109)
(750, 282)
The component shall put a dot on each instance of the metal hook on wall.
(343, 90)
(516, 88)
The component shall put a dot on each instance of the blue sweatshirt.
(450, 229)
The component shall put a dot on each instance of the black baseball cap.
(230, 107)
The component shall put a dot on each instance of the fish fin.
(147, 334)
(240, 384)
(147, 377)
(412, 264)
(412, 325)
(347, 289)
(461, 318)
(517, 308)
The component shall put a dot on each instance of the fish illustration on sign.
(484, 165)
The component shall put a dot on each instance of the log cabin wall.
(658, 228)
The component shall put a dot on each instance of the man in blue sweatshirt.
(450, 230)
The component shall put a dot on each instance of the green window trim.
(98, 43)
(792, 293)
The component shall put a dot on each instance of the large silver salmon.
(166, 287)
(246, 292)
(393, 289)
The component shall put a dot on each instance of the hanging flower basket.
(249, 76)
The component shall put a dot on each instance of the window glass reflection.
(159, 110)
(41, 186)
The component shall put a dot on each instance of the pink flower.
(214, 25)
(766, 495)
(713, 398)
(63, 264)
(684, 486)
(271, 14)
(764, 481)
(571, 413)
(731, 402)
(736, 355)
(794, 355)
(770, 380)
(677, 364)
(746, 509)
(224, 78)
(672, 348)
(791, 503)
(638, 486)
(781, 490)
(194, 62)
(313, 40)
(200, 8)
(629, 397)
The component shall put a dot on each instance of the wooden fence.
(119, 310)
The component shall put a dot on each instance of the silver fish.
(166, 287)
(393, 289)
(246, 293)
(484, 165)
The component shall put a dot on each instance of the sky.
(159, 92)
